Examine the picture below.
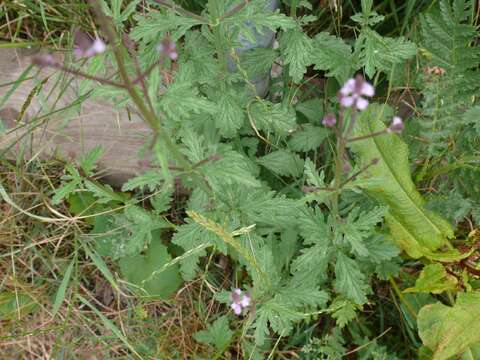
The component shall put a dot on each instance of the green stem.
(402, 298)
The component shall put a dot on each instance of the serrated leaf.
(183, 99)
(434, 279)
(218, 334)
(449, 331)
(343, 311)
(89, 160)
(309, 137)
(258, 62)
(283, 163)
(333, 55)
(104, 193)
(349, 280)
(229, 117)
(273, 117)
(417, 231)
(360, 225)
(149, 179)
(297, 49)
(157, 24)
(65, 190)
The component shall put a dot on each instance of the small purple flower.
(354, 91)
(168, 48)
(85, 46)
(43, 60)
(240, 301)
(329, 120)
(396, 126)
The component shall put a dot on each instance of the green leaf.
(343, 311)
(349, 280)
(312, 109)
(150, 179)
(65, 190)
(230, 115)
(273, 117)
(60, 295)
(283, 163)
(334, 56)
(16, 304)
(258, 61)
(156, 25)
(308, 138)
(297, 49)
(218, 334)
(360, 225)
(125, 234)
(182, 99)
(434, 279)
(104, 193)
(139, 269)
(381, 53)
(449, 331)
(89, 160)
(417, 231)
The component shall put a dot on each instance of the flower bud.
(329, 120)
(396, 126)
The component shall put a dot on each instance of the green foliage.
(417, 231)
(451, 330)
(218, 334)
(434, 279)
(144, 271)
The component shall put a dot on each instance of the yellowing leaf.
(449, 331)
(418, 231)
(434, 279)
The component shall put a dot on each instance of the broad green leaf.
(308, 138)
(418, 231)
(218, 334)
(450, 330)
(283, 163)
(312, 109)
(140, 270)
(258, 61)
(434, 279)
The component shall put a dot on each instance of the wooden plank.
(66, 134)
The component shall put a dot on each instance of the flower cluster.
(240, 301)
(85, 46)
(354, 93)
(168, 48)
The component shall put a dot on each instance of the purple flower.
(354, 91)
(168, 48)
(240, 301)
(85, 46)
(329, 120)
(396, 126)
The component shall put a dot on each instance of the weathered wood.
(67, 134)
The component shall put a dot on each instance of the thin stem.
(358, 138)
(178, 9)
(234, 10)
(409, 306)
(148, 116)
(85, 75)
(363, 169)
